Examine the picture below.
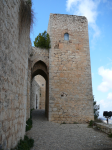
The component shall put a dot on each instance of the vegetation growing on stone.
(91, 123)
(26, 14)
(96, 108)
(63, 122)
(110, 135)
(29, 122)
(42, 40)
(75, 123)
(25, 144)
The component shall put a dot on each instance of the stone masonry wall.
(70, 87)
(39, 54)
(28, 90)
(35, 94)
(14, 49)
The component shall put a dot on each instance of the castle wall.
(35, 98)
(28, 90)
(70, 87)
(39, 54)
(14, 49)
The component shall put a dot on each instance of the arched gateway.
(40, 68)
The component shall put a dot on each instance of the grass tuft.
(29, 121)
(25, 144)
(91, 123)
(75, 123)
(110, 135)
(63, 122)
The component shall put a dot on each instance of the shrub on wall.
(96, 108)
(26, 14)
(42, 40)
(25, 144)
(29, 121)
(28, 124)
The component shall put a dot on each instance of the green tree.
(96, 108)
(42, 40)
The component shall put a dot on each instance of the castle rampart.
(70, 87)
(14, 48)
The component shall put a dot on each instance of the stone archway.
(40, 68)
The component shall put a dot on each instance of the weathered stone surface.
(70, 89)
(107, 128)
(40, 54)
(14, 49)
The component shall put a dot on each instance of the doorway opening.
(40, 96)
(40, 86)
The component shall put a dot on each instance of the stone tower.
(70, 87)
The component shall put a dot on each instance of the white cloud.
(107, 79)
(87, 8)
(84, 7)
(109, 96)
(106, 85)
(105, 105)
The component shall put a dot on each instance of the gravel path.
(54, 136)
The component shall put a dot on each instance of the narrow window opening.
(66, 37)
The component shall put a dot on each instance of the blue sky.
(99, 15)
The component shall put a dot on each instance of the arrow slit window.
(66, 37)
